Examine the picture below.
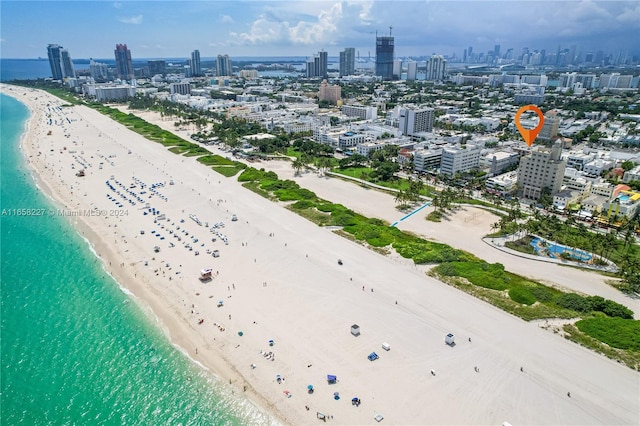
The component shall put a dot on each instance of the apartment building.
(543, 168)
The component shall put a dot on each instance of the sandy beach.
(277, 278)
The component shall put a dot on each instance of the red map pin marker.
(529, 135)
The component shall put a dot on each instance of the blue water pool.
(554, 250)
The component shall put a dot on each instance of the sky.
(172, 29)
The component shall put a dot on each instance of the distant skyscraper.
(124, 66)
(223, 66)
(412, 70)
(317, 66)
(98, 71)
(496, 51)
(397, 69)
(67, 64)
(436, 68)
(194, 65)
(323, 64)
(348, 61)
(384, 57)
(157, 67)
(60, 62)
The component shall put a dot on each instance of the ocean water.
(75, 348)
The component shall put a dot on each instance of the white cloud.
(136, 20)
(226, 19)
(275, 26)
(117, 5)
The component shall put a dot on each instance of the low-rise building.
(504, 184)
(499, 161)
(566, 198)
(352, 139)
(180, 88)
(597, 166)
(626, 203)
(426, 159)
(360, 111)
(631, 175)
(578, 160)
(459, 159)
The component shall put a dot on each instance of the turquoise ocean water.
(75, 349)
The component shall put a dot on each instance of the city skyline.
(283, 28)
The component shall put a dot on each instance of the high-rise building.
(550, 128)
(496, 51)
(412, 70)
(53, 50)
(436, 68)
(157, 67)
(98, 71)
(384, 57)
(60, 62)
(540, 170)
(124, 66)
(347, 61)
(223, 66)
(194, 65)
(67, 64)
(397, 69)
(317, 66)
(414, 120)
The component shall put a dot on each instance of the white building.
(459, 160)
(351, 139)
(436, 68)
(412, 70)
(360, 111)
(503, 184)
(427, 159)
(368, 147)
(500, 161)
(631, 175)
(180, 88)
(597, 166)
(112, 93)
(412, 121)
(579, 159)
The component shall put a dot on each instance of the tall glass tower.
(124, 66)
(196, 71)
(55, 55)
(347, 61)
(384, 57)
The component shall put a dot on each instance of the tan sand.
(290, 288)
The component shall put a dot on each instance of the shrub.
(617, 332)
(542, 294)
(302, 204)
(574, 302)
(614, 309)
(522, 295)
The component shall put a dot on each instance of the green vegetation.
(491, 282)
(522, 245)
(615, 332)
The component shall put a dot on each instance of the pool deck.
(499, 243)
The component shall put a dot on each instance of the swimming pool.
(554, 250)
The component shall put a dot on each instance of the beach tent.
(373, 356)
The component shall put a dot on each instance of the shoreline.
(125, 282)
(288, 309)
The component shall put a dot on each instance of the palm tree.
(297, 165)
